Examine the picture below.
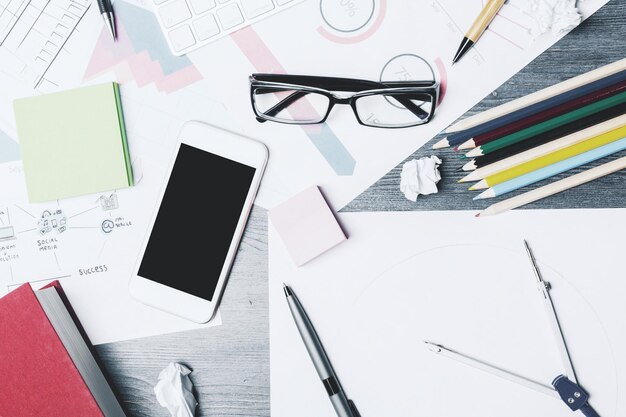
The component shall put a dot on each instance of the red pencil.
(543, 116)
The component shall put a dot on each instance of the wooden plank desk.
(231, 362)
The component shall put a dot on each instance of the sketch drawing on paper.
(38, 246)
(35, 34)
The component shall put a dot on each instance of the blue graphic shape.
(145, 34)
(9, 149)
(331, 148)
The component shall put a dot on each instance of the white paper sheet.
(94, 259)
(91, 246)
(465, 283)
(370, 39)
(44, 47)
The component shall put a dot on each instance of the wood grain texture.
(231, 362)
(600, 40)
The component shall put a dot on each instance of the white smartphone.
(198, 221)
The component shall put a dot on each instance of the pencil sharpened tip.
(433, 347)
(443, 143)
(466, 178)
(470, 166)
(287, 290)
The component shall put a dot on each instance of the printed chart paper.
(90, 244)
(369, 39)
(465, 283)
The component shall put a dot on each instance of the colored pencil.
(541, 117)
(553, 169)
(536, 152)
(549, 136)
(538, 96)
(460, 137)
(549, 159)
(555, 187)
(549, 125)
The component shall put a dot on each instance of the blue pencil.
(552, 170)
(464, 135)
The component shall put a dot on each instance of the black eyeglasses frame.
(303, 84)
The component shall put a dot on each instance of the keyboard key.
(174, 12)
(230, 16)
(182, 38)
(189, 24)
(206, 27)
(254, 8)
(201, 6)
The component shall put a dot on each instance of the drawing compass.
(565, 386)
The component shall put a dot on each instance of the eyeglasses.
(301, 99)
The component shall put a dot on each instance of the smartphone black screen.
(196, 221)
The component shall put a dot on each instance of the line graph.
(34, 34)
(510, 26)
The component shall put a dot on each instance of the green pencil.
(548, 125)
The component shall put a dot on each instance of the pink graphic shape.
(257, 52)
(130, 65)
(321, 135)
(443, 79)
(362, 36)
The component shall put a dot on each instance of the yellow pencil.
(479, 26)
(481, 172)
(550, 158)
(555, 187)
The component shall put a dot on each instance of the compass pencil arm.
(494, 370)
(544, 290)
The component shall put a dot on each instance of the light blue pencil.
(552, 170)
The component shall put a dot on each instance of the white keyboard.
(190, 24)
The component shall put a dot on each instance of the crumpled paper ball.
(174, 390)
(420, 176)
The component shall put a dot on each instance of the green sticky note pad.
(73, 143)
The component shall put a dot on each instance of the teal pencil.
(552, 170)
(549, 125)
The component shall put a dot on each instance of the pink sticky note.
(306, 225)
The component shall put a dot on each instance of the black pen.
(106, 10)
(343, 406)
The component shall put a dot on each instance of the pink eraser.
(306, 225)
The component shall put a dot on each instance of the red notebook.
(38, 377)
